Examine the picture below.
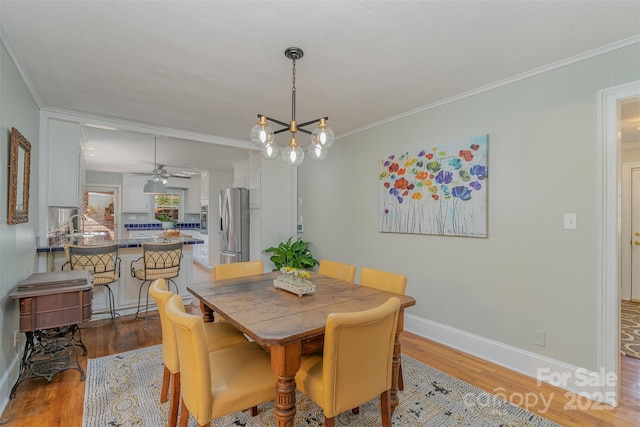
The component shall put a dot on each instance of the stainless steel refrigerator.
(234, 225)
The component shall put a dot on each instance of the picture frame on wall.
(19, 175)
(441, 190)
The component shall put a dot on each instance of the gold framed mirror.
(19, 173)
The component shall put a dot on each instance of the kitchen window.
(168, 204)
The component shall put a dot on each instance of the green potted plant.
(167, 221)
(292, 254)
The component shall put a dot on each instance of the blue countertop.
(127, 243)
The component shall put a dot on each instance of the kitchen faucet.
(81, 218)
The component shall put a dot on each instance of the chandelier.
(263, 136)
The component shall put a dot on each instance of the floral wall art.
(441, 190)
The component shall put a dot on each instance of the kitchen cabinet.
(143, 234)
(126, 289)
(192, 202)
(66, 164)
(201, 252)
(204, 188)
(272, 197)
(133, 197)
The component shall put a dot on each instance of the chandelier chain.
(293, 80)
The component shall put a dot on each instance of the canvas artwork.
(441, 190)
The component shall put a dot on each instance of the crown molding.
(117, 124)
(534, 72)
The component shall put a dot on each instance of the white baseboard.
(8, 379)
(571, 378)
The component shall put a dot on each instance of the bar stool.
(104, 264)
(158, 261)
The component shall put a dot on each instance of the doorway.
(609, 237)
(630, 216)
(102, 211)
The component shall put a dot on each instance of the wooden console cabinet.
(51, 307)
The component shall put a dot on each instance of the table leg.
(393, 393)
(207, 313)
(285, 362)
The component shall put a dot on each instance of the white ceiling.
(203, 70)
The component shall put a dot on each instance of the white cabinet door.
(192, 204)
(65, 182)
(133, 198)
(143, 234)
(204, 187)
(197, 249)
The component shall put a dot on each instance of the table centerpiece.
(295, 281)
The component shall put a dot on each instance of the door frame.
(609, 235)
(117, 191)
(626, 216)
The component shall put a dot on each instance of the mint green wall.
(529, 273)
(17, 242)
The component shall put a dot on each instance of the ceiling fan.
(159, 171)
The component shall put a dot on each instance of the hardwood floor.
(545, 400)
(60, 402)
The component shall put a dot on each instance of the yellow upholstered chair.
(217, 383)
(218, 335)
(356, 363)
(385, 281)
(337, 270)
(158, 261)
(237, 269)
(104, 264)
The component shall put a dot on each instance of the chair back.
(161, 260)
(237, 269)
(102, 261)
(195, 368)
(383, 280)
(160, 293)
(338, 270)
(358, 355)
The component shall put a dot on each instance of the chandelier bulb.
(322, 136)
(293, 155)
(317, 153)
(262, 134)
(271, 151)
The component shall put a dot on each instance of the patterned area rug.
(630, 329)
(124, 390)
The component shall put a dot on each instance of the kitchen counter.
(122, 243)
(127, 288)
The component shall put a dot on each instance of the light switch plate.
(570, 221)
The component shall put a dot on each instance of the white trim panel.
(567, 377)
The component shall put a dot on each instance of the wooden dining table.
(290, 326)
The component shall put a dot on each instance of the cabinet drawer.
(143, 234)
